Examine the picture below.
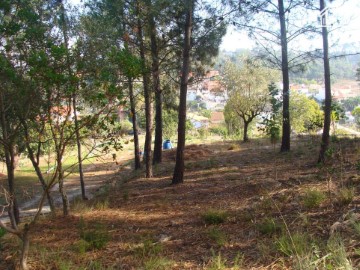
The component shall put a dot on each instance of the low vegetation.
(250, 207)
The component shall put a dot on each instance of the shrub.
(268, 226)
(2, 232)
(218, 236)
(298, 244)
(96, 237)
(217, 262)
(345, 196)
(313, 198)
(157, 263)
(148, 248)
(214, 217)
(219, 130)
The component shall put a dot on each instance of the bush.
(2, 232)
(218, 236)
(148, 248)
(219, 130)
(313, 198)
(345, 196)
(96, 237)
(268, 226)
(298, 244)
(214, 217)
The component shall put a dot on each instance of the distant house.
(217, 118)
(62, 113)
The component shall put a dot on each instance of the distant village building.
(210, 90)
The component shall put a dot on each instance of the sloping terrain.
(241, 206)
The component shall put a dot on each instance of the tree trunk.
(245, 136)
(158, 95)
(35, 164)
(9, 152)
(178, 176)
(134, 125)
(78, 143)
(14, 212)
(147, 96)
(285, 142)
(65, 200)
(25, 248)
(327, 110)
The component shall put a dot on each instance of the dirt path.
(96, 175)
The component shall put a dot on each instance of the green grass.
(268, 226)
(218, 236)
(212, 217)
(96, 237)
(345, 196)
(313, 198)
(157, 263)
(297, 244)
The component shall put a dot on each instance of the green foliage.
(129, 64)
(2, 232)
(356, 114)
(170, 122)
(297, 244)
(157, 263)
(148, 248)
(337, 111)
(219, 130)
(272, 123)
(305, 113)
(268, 226)
(217, 262)
(213, 216)
(206, 113)
(345, 196)
(313, 198)
(337, 255)
(203, 133)
(218, 236)
(247, 85)
(95, 238)
(351, 103)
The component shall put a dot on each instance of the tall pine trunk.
(178, 176)
(157, 90)
(134, 125)
(285, 142)
(74, 103)
(147, 96)
(327, 110)
(78, 144)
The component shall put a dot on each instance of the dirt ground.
(260, 194)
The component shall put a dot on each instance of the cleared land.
(242, 206)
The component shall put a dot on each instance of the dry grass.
(251, 184)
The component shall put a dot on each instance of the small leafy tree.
(272, 123)
(305, 113)
(247, 86)
(356, 114)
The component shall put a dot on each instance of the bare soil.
(149, 220)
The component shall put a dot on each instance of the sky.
(348, 12)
